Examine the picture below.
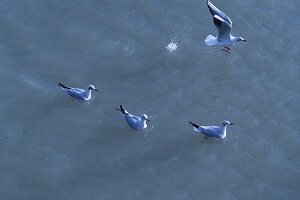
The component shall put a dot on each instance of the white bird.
(133, 121)
(224, 26)
(78, 93)
(218, 132)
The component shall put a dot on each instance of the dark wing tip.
(195, 125)
(63, 86)
(122, 110)
(210, 10)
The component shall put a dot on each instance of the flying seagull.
(218, 132)
(133, 121)
(224, 26)
(78, 93)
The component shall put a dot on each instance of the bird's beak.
(244, 40)
(231, 124)
(96, 90)
(148, 120)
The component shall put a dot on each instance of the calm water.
(53, 147)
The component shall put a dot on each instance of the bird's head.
(226, 123)
(92, 87)
(238, 39)
(145, 117)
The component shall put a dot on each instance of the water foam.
(172, 46)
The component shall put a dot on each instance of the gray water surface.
(54, 147)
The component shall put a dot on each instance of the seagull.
(224, 26)
(78, 93)
(218, 132)
(133, 121)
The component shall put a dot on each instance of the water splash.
(172, 46)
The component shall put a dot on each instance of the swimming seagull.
(224, 25)
(218, 132)
(133, 121)
(78, 93)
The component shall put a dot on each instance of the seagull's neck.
(87, 94)
(144, 123)
(223, 130)
(233, 39)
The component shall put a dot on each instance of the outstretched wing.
(215, 11)
(224, 29)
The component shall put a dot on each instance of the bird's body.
(218, 132)
(133, 121)
(78, 93)
(224, 26)
(211, 41)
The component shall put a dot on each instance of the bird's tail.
(194, 125)
(210, 40)
(122, 110)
